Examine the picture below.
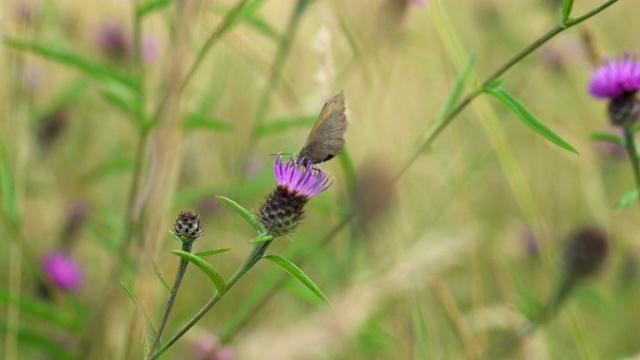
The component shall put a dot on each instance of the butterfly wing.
(325, 140)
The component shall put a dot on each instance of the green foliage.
(244, 213)
(150, 329)
(158, 272)
(529, 119)
(211, 272)
(297, 273)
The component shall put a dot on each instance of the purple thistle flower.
(298, 181)
(616, 78)
(62, 270)
(300, 176)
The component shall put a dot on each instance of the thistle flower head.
(62, 270)
(616, 78)
(298, 181)
(300, 176)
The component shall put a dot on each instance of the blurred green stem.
(630, 145)
(252, 259)
(182, 268)
(495, 76)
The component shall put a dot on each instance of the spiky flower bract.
(297, 182)
(188, 225)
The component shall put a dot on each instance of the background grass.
(441, 267)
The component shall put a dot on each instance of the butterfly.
(326, 137)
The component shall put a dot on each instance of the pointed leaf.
(212, 252)
(608, 137)
(158, 272)
(199, 121)
(529, 119)
(627, 199)
(64, 57)
(567, 5)
(261, 238)
(151, 6)
(295, 271)
(208, 269)
(7, 187)
(150, 329)
(246, 215)
(279, 125)
(453, 97)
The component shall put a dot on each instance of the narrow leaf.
(279, 125)
(608, 137)
(151, 6)
(264, 27)
(7, 187)
(529, 119)
(295, 271)
(453, 97)
(116, 164)
(212, 252)
(40, 309)
(261, 238)
(85, 65)
(150, 330)
(199, 121)
(123, 98)
(45, 344)
(208, 269)
(246, 215)
(567, 5)
(627, 199)
(158, 272)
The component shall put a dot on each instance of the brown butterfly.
(325, 139)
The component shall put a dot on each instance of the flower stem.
(495, 76)
(630, 145)
(182, 268)
(252, 259)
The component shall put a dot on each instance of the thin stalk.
(252, 259)
(182, 269)
(495, 76)
(630, 145)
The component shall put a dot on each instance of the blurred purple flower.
(149, 48)
(113, 41)
(616, 78)
(207, 347)
(62, 270)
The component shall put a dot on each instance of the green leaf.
(295, 271)
(593, 299)
(627, 199)
(246, 215)
(180, 239)
(123, 98)
(44, 343)
(529, 119)
(158, 272)
(608, 137)
(151, 6)
(41, 309)
(261, 238)
(7, 187)
(280, 125)
(212, 252)
(118, 163)
(85, 65)
(70, 93)
(199, 121)
(453, 98)
(263, 26)
(150, 331)
(567, 5)
(208, 269)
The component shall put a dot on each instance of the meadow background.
(436, 264)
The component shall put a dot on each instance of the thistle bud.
(188, 225)
(585, 252)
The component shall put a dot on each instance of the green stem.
(182, 268)
(252, 259)
(493, 77)
(630, 144)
